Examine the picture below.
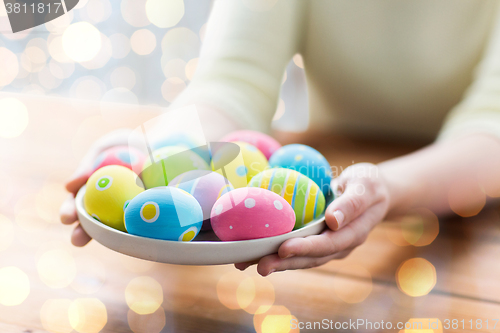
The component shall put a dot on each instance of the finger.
(244, 265)
(330, 242)
(355, 200)
(79, 236)
(75, 183)
(273, 263)
(68, 210)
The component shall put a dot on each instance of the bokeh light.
(47, 79)
(227, 287)
(61, 70)
(56, 49)
(416, 277)
(87, 87)
(56, 268)
(6, 232)
(171, 88)
(144, 295)
(175, 68)
(165, 13)
(10, 66)
(179, 43)
(297, 60)
(123, 77)
(27, 216)
(102, 57)
(143, 42)
(466, 197)
(60, 23)
(119, 95)
(120, 45)
(14, 286)
(7, 188)
(81, 41)
(97, 11)
(353, 290)
(90, 275)
(419, 227)
(14, 117)
(148, 323)
(191, 68)
(54, 315)
(134, 12)
(255, 295)
(276, 320)
(87, 315)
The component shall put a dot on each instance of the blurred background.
(136, 54)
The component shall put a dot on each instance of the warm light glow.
(47, 80)
(353, 290)
(14, 286)
(10, 66)
(120, 45)
(14, 117)
(466, 197)
(56, 268)
(280, 111)
(56, 49)
(227, 287)
(123, 77)
(179, 43)
(7, 188)
(134, 12)
(165, 13)
(98, 11)
(260, 5)
(144, 295)
(255, 295)
(276, 319)
(61, 70)
(149, 323)
(54, 315)
(418, 228)
(172, 87)
(87, 315)
(191, 68)
(88, 87)
(102, 57)
(90, 275)
(416, 277)
(6, 232)
(297, 60)
(143, 42)
(423, 325)
(81, 41)
(119, 95)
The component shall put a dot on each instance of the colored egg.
(305, 160)
(206, 187)
(305, 197)
(166, 213)
(265, 143)
(169, 163)
(126, 156)
(239, 171)
(108, 192)
(179, 139)
(251, 213)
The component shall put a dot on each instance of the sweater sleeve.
(479, 111)
(243, 59)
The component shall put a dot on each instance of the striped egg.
(206, 187)
(304, 195)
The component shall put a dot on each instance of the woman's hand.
(363, 201)
(68, 208)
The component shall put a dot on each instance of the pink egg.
(251, 213)
(126, 156)
(266, 144)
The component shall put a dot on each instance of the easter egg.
(305, 160)
(108, 192)
(180, 139)
(170, 162)
(251, 213)
(265, 143)
(206, 187)
(166, 213)
(304, 195)
(249, 162)
(128, 157)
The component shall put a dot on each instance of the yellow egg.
(249, 162)
(107, 194)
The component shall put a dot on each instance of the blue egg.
(306, 160)
(166, 213)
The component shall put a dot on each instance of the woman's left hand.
(363, 202)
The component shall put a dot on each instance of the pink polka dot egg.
(129, 157)
(251, 213)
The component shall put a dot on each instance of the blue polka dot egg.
(306, 160)
(166, 213)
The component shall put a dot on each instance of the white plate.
(205, 249)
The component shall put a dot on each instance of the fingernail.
(271, 271)
(339, 216)
(289, 255)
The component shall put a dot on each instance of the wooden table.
(93, 288)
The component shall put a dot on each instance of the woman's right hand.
(79, 178)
